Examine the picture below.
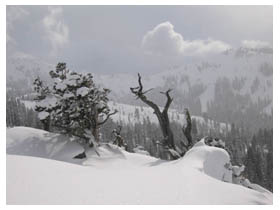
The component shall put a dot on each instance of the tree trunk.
(94, 130)
(95, 134)
(161, 115)
(46, 125)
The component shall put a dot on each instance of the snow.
(83, 91)
(72, 80)
(39, 143)
(116, 176)
(29, 104)
(210, 160)
(61, 86)
(43, 115)
(68, 95)
(238, 170)
(74, 77)
(143, 152)
(48, 102)
(140, 150)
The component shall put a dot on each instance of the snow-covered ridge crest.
(117, 176)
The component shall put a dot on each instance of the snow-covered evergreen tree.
(73, 104)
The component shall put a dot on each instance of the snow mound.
(140, 150)
(209, 160)
(32, 180)
(39, 143)
(110, 156)
(110, 175)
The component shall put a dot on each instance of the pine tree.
(73, 104)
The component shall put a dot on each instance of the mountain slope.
(248, 71)
(131, 114)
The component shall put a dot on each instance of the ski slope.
(116, 176)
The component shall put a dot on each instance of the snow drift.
(39, 143)
(209, 160)
(116, 176)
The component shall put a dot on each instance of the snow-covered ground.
(116, 176)
(39, 143)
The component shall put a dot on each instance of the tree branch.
(169, 100)
(147, 90)
(140, 83)
(107, 117)
(138, 91)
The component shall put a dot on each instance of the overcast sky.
(108, 39)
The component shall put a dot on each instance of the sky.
(119, 39)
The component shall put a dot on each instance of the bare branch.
(134, 90)
(148, 90)
(169, 100)
(107, 117)
(140, 83)
(138, 91)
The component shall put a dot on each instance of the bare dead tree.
(168, 138)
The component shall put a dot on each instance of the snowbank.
(113, 157)
(118, 177)
(140, 150)
(39, 143)
(210, 160)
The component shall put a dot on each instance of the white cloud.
(255, 44)
(14, 13)
(57, 32)
(163, 40)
